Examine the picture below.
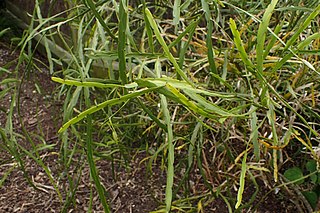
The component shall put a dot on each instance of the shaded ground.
(130, 188)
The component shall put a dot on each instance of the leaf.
(242, 180)
(311, 166)
(102, 105)
(294, 174)
(92, 7)
(176, 12)
(93, 169)
(87, 83)
(190, 29)
(148, 82)
(207, 13)
(9, 80)
(122, 42)
(311, 197)
(239, 44)
(2, 32)
(263, 28)
(169, 140)
(314, 178)
(165, 47)
(301, 28)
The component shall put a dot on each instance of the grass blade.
(271, 115)
(122, 40)
(148, 28)
(300, 29)
(242, 180)
(207, 13)
(100, 19)
(190, 29)
(176, 12)
(261, 37)
(4, 31)
(192, 145)
(272, 40)
(152, 116)
(169, 141)
(240, 45)
(165, 47)
(300, 46)
(93, 169)
(255, 134)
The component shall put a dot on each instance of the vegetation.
(227, 91)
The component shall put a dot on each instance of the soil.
(130, 188)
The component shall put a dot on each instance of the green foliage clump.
(240, 80)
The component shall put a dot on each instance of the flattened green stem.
(102, 105)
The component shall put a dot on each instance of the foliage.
(242, 79)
